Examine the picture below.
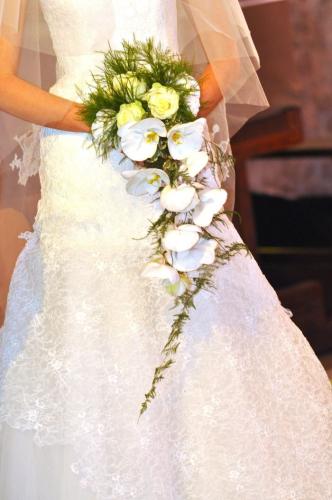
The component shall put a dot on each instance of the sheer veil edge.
(212, 32)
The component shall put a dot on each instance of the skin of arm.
(210, 91)
(29, 102)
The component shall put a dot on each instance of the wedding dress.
(246, 411)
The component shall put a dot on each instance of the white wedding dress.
(246, 411)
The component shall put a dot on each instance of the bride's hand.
(72, 120)
(210, 92)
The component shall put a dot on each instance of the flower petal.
(203, 215)
(120, 162)
(162, 271)
(211, 202)
(193, 99)
(186, 138)
(146, 181)
(125, 128)
(136, 147)
(139, 141)
(216, 196)
(127, 174)
(195, 163)
(176, 289)
(151, 124)
(102, 118)
(182, 238)
(176, 199)
(137, 185)
(97, 129)
(202, 253)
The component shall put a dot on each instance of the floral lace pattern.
(28, 164)
(247, 413)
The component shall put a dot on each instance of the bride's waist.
(75, 74)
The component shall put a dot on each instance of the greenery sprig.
(204, 281)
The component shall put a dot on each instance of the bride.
(246, 412)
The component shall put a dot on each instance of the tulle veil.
(213, 31)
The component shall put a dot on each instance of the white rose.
(131, 82)
(130, 113)
(162, 101)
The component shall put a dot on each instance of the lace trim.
(28, 164)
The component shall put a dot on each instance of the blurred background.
(284, 168)
(284, 162)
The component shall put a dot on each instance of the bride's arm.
(29, 102)
(210, 91)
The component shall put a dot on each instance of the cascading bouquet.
(145, 104)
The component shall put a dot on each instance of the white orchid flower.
(179, 199)
(181, 238)
(184, 139)
(145, 180)
(190, 260)
(159, 270)
(174, 283)
(128, 174)
(194, 163)
(211, 201)
(139, 141)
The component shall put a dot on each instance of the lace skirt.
(245, 413)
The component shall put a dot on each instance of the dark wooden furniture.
(303, 273)
(318, 147)
(271, 131)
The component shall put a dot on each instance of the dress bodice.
(81, 28)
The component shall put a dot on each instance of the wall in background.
(299, 74)
(312, 27)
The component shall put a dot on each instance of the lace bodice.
(81, 28)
